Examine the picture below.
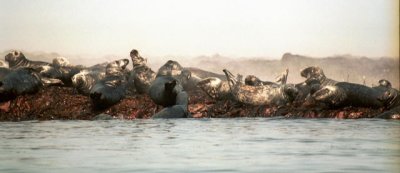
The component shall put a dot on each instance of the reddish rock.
(64, 104)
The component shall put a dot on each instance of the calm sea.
(201, 145)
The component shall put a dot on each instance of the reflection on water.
(201, 145)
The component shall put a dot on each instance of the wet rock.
(102, 117)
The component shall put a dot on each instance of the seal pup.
(17, 59)
(110, 90)
(141, 75)
(167, 92)
(260, 95)
(18, 82)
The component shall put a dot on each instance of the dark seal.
(18, 82)
(167, 92)
(316, 74)
(344, 94)
(111, 89)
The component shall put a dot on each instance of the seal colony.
(58, 90)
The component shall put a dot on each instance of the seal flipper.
(51, 81)
(230, 77)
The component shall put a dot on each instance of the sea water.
(201, 145)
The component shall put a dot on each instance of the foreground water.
(201, 145)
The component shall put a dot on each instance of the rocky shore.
(63, 103)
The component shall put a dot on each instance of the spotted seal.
(18, 82)
(170, 68)
(141, 75)
(255, 81)
(17, 59)
(111, 89)
(260, 95)
(86, 79)
(167, 92)
(215, 88)
(62, 70)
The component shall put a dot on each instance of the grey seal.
(316, 73)
(18, 82)
(110, 90)
(215, 88)
(167, 92)
(86, 79)
(260, 95)
(344, 94)
(17, 59)
(141, 75)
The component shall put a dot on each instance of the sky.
(235, 28)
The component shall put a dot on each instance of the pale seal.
(17, 59)
(260, 95)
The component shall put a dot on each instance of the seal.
(187, 79)
(255, 81)
(61, 62)
(167, 92)
(215, 88)
(62, 70)
(344, 94)
(202, 74)
(141, 75)
(110, 90)
(260, 95)
(18, 82)
(3, 64)
(86, 79)
(179, 110)
(164, 89)
(17, 59)
(170, 68)
(316, 73)
(390, 114)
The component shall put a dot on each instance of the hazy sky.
(189, 28)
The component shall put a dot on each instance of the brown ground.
(60, 103)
